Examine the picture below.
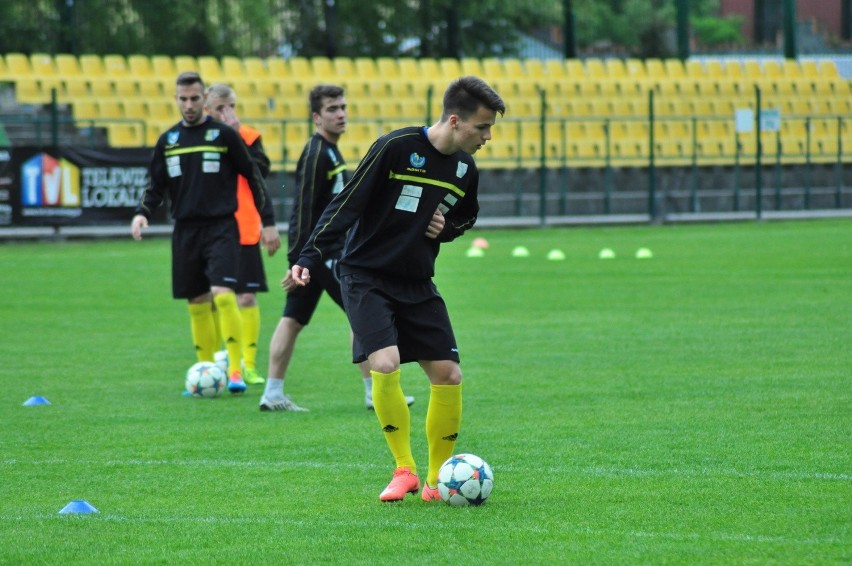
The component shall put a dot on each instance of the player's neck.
(441, 138)
(329, 137)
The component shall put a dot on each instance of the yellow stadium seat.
(149, 87)
(18, 65)
(429, 69)
(125, 87)
(595, 69)
(249, 108)
(42, 65)
(386, 68)
(85, 109)
(493, 69)
(125, 135)
(91, 66)
(615, 68)
(409, 68)
(533, 69)
(162, 110)
(28, 91)
(137, 108)
(210, 70)
(322, 69)
(253, 67)
(296, 68)
(450, 68)
(110, 108)
(115, 66)
(140, 66)
(367, 68)
(555, 69)
(471, 66)
(674, 69)
(232, 69)
(76, 87)
(343, 68)
(163, 67)
(185, 63)
(101, 86)
(67, 66)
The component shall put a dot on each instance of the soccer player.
(415, 189)
(320, 175)
(196, 162)
(221, 104)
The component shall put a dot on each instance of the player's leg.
(299, 307)
(222, 255)
(252, 280)
(250, 314)
(368, 304)
(189, 281)
(395, 420)
(331, 283)
(443, 418)
(425, 334)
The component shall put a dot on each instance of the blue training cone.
(78, 506)
(36, 400)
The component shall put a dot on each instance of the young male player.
(196, 162)
(254, 227)
(415, 188)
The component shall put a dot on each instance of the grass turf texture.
(690, 408)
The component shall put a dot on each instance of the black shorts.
(302, 301)
(252, 276)
(204, 254)
(398, 312)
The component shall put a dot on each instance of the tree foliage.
(420, 28)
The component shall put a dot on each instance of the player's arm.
(246, 166)
(154, 193)
(462, 217)
(345, 209)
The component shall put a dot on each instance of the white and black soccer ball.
(465, 479)
(205, 379)
(221, 359)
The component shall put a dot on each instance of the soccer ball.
(205, 379)
(221, 358)
(465, 479)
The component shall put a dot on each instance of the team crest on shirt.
(172, 137)
(211, 135)
(416, 160)
(461, 169)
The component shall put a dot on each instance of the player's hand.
(436, 225)
(301, 275)
(270, 239)
(229, 116)
(288, 283)
(136, 226)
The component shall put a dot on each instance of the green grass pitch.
(695, 407)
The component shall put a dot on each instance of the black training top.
(320, 175)
(389, 203)
(197, 167)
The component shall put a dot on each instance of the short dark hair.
(323, 91)
(189, 78)
(464, 96)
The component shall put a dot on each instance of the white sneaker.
(368, 400)
(282, 403)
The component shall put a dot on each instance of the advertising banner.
(59, 186)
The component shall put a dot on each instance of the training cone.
(78, 506)
(475, 252)
(606, 253)
(520, 251)
(644, 253)
(556, 255)
(36, 400)
(480, 243)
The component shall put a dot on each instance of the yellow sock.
(218, 327)
(203, 330)
(232, 327)
(443, 418)
(251, 334)
(394, 418)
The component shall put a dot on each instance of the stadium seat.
(450, 68)
(125, 87)
(85, 109)
(533, 69)
(211, 70)
(115, 66)
(366, 68)
(75, 88)
(494, 69)
(409, 68)
(67, 66)
(163, 67)
(42, 65)
(322, 69)
(185, 63)
(18, 66)
(386, 68)
(110, 108)
(471, 66)
(140, 66)
(125, 134)
(253, 67)
(343, 68)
